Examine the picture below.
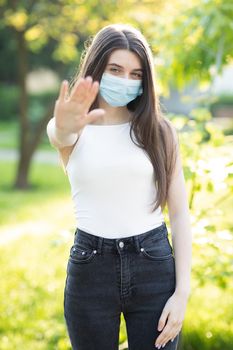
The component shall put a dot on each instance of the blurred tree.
(34, 26)
(194, 42)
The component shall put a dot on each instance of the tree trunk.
(28, 140)
(25, 157)
(23, 164)
(23, 168)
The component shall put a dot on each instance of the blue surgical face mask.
(118, 91)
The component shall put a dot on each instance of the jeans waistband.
(98, 241)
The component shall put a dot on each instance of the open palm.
(71, 112)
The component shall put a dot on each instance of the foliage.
(223, 100)
(195, 42)
(212, 103)
(38, 103)
(42, 23)
(9, 98)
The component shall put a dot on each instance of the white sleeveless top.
(112, 183)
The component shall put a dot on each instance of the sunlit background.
(41, 43)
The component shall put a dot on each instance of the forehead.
(125, 58)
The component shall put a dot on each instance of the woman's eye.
(114, 69)
(137, 75)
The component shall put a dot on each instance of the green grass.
(49, 186)
(208, 321)
(33, 274)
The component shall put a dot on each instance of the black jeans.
(134, 275)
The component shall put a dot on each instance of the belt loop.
(137, 243)
(99, 244)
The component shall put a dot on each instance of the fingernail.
(163, 345)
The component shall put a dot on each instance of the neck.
(113, 114)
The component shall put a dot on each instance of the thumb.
(163, 319)
(94, 115)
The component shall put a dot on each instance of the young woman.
(122, 159)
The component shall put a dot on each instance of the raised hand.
(71, 112)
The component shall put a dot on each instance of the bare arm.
(171, 319)
(179, 218)
(58, 138)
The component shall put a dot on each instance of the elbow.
(50, 133)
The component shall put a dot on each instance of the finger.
(163, 318)
(63, 90)
(91, 95)
(78, 89)
(85, 85)
(90, 91)
(175, 335)
(167, 339)
(168, 331)
(88, 82)
(94, 89)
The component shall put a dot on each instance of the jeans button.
(121, 244)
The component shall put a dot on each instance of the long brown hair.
(153, 131)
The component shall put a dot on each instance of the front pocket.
(79, 254)
(158, 250)
(149, 254)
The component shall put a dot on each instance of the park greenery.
(191, 41)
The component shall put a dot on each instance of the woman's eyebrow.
(115, 64)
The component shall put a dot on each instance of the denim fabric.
(134, 275)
